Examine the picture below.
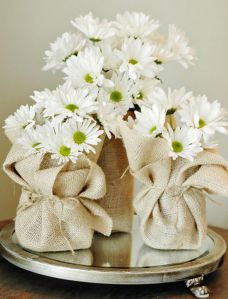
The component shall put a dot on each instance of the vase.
(120, 184)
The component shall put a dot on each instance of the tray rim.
(107, 275)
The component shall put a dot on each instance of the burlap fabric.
(171, 204)
(118, 199)
(58, 208)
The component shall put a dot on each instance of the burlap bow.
(57, 209)
(171, 204)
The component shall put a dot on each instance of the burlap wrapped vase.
(171, 205)
(58, 208)
(120, 184)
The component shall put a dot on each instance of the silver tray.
(121, 259)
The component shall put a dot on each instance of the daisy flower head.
(137, 59)
(120, 94)
(177, 47)
(150, 122)
(172, 101)
(205, 116)
(109, 52)
(107, 116)
(84, 136)
(41, 97)
(69, 102)
(94, 29)
(64, 47)
(23, 118)
(54, 141)
(31, 141)
(86, 69)
(183, 142)
(135, 24)
(143, 90)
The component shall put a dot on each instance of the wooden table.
(20, 284)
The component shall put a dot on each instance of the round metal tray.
(119, 259)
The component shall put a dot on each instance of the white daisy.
(137, 59)
(31, 141)
(93, 28)
(23, 118)
(135, 24)
(111, 59)
(55, 141)
(150, 121)
(84, 136)
(205, 116)
(70, 102)
(120, 95)
(86, 68)
(177, 48)
(40, 98)
(107, 117)
(171, 101)
(143, 90)
(64, 47)
(183, 142)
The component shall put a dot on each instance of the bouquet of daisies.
(171, 151)
(111, 70)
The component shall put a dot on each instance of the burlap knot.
(57, 210)
(171, 204)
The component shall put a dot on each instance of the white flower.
(183, 142)
(177, 48)
(84, 136)
(64, 47)
(107, 117)
(23, 118)
(135, 24)
(111, 59)
(54, 140)
(41, 97)
(120, 95)
(86, 68)
(143, 90)
(150, 121)
(70, 102)
(137, 59)
(93, 28)
(30, 140)
(171, 101)
(205, 116)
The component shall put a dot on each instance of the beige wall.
(27, 27)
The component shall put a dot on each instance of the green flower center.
(152, 129)
(64, 151)
(94, 39)
(35, 144)
(133, 61)
(79, 137)
(88, 79)
(171, 111)
(177, 146)
(139, 95)
(71, 107)
(116, 96)
(202, 123)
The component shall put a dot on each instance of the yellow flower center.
(79, 137)
(116, 96)
(88, 79)
(64, 151)
(202, 123)
(71, 107)
(133, 61)
(177, 146)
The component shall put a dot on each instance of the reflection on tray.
(118, 251)
(149, 257)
